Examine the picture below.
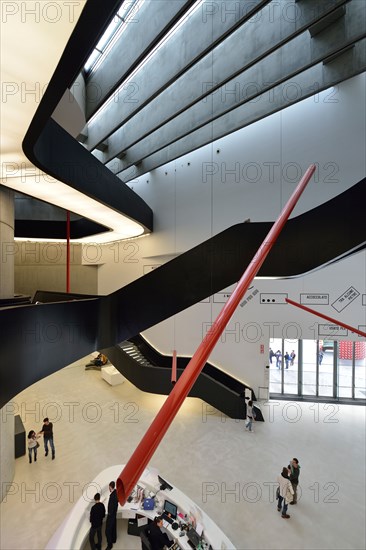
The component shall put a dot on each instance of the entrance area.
(318, 369)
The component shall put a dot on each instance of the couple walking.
(288, 481)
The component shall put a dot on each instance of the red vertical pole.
(174, 366)
(67, 251)
(155, 433)
(339, 323)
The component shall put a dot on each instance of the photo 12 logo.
(37, 12)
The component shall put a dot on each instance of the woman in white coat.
(285, 492)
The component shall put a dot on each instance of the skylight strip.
(114, 30)
(153, 52)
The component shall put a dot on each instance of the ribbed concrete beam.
(280, 66)
(318, 77)
(205, 27)
(270, 29)
(154, 17)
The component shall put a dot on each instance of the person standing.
(111, 524)
(47, 432)
(271, 355)
(32, 445)
(97, 514)
(278, 355)
(285, 492)
(250, 416)
(287, 359)
(292, 357)
(294, 469)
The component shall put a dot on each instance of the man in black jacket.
(294, 470)
(97, 514)
(111, 524)
(47, 432)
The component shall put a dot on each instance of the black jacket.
(294, 475)
(113, 503)
(97, 514)
(157, 538)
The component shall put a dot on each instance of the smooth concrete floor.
(227, 471)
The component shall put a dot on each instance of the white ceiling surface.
(33, 37)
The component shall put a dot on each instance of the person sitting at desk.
(157, 538)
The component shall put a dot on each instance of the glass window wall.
(318, 368)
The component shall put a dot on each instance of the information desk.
(74, 530)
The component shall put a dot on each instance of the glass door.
(326, 368)
(290, 367)
(318, 368)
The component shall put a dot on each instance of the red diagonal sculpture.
(148, 444)
(301, 306)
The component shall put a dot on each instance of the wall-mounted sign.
(314, 299)
(221, 297)
(273, 298)
(345, 299)
(331, 330)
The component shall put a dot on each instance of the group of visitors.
(288, 482)
(289, 358)
(47, 432)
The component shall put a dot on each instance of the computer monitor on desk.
(164, 485)
(170, 509)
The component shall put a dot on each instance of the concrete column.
(6, 242)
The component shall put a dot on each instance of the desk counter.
(74, 530)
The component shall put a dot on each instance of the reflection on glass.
(290, 365)
(326, 366)
(309, 350)
(344, 358)
(360, 370)
(275, 365)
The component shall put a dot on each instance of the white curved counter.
(74, 530)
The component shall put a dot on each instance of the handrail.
(155, 433)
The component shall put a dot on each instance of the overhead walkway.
(37, 340)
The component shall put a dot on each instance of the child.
(250, 416)
(32, 445)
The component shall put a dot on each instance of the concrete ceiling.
(207, 77)
(183, 98)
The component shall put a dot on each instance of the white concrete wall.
(7, 451)
(251, 174)
(42, 266)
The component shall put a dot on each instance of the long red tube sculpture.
(339, 323)
(155, 433)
